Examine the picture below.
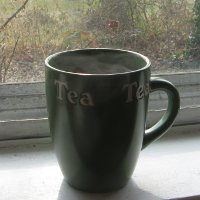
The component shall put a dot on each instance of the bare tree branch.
(10, 60)
(14, 15)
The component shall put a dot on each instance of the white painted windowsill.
(167, 169)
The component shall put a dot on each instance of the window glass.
(168, 32)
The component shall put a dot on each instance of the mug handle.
(168, 118)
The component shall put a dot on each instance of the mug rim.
(146, 59)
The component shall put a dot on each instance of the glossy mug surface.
(97, 103)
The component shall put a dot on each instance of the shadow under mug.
(97, 102)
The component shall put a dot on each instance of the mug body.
(97, 117)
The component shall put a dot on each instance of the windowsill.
(167, 169)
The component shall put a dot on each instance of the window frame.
(23, 113)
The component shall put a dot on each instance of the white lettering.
(130, 91)
(146, 89)
(140, 92)
(60, 85)
(86, 100)
(72, 96)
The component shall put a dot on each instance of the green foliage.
(194, 43)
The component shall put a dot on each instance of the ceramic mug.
(97, 102)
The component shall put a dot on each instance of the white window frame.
(23, 113)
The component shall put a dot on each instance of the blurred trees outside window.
(168, 32)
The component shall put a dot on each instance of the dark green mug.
(97, 101)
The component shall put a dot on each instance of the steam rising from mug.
(100, 63)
